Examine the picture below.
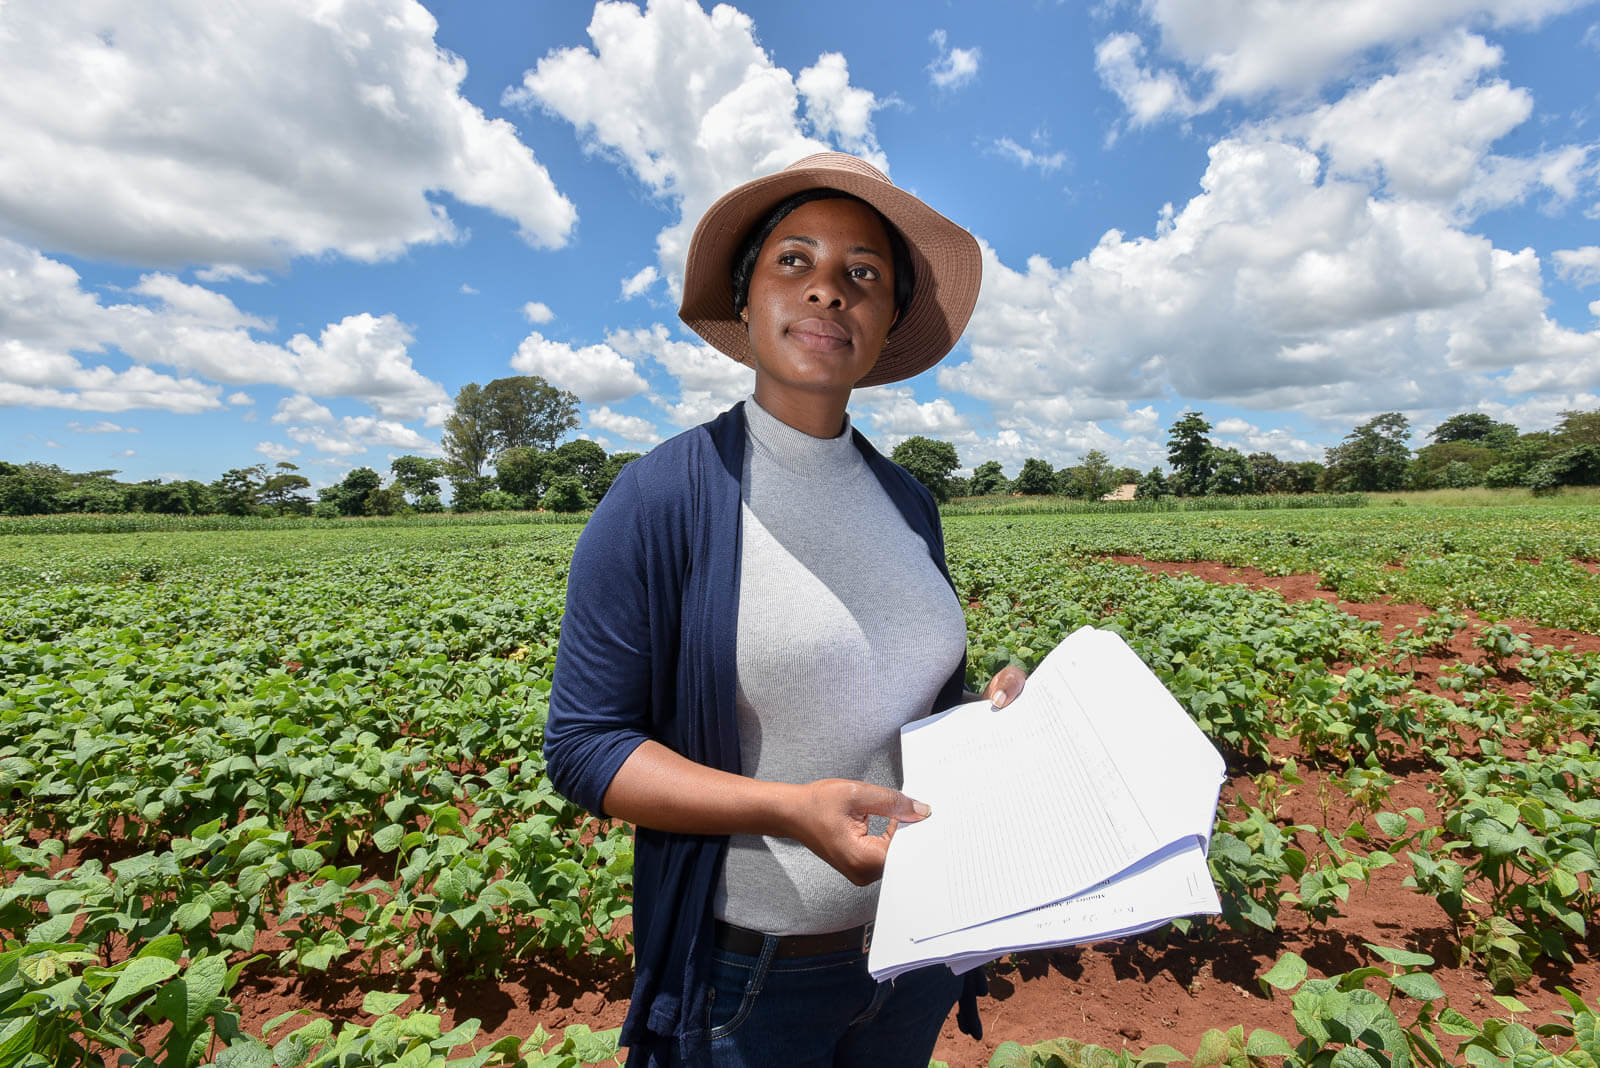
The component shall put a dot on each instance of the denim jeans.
(823, 1010)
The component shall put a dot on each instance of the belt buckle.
(866, 936)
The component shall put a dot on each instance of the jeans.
(823, 1010)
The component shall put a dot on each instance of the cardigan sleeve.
(600, 691)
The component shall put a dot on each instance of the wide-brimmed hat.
(944, 258)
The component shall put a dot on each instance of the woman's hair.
(744, 262)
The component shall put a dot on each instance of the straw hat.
(944, 258)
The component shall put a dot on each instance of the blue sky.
(294, 231)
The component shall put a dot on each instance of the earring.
(744, 317)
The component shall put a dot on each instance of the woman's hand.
(831, 821)
(1005, 686)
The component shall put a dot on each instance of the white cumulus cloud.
(245, 135)
(47, 321)
(630, 428)
(537, 312)
(639, 283)
(596, 373)
(1580, 266)
(952, 67)
(692, 105)
(1276, 286)
(707, 381)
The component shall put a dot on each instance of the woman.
(754, 610)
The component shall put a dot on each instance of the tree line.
(1467, 449)
(501, 452)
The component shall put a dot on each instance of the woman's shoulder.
(664, 482)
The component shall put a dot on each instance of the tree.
(1036, 477)
(1469, 426)
(1270, 474)
(1152, 486)
(350, 495)
(526, 410)
(467, 490)
(186, 497)
(1431, 462)
(1090, 479)
(94, 491)
(237, 490)
(469, 431)
(1230, 473)
(584, 459)
(930, 462)
(281, 492)
(987, 478)
(1578, 428)
(389, 500)
(31, 489)
(1577, 466)
(1307, 475)
(417, 476)
(1373, 456)
(566, 494)
(521, 472)
(1188, 452)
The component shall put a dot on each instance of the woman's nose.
(825, 290)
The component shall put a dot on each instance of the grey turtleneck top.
(846, 631)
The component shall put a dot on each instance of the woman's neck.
(820, 414)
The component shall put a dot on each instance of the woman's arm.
(658, 788)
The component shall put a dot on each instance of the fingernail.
(999, 698)
(921, 808)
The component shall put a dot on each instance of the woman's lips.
(819, 334)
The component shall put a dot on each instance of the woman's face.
(821, 299)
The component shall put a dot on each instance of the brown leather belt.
(737, 939)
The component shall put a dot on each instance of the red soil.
(1134, 993)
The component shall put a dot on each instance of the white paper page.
(1173, 883)
(1028, 807)
(1167, 761)
(1011, 831)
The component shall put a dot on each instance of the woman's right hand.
(656, 787)
(832, 821)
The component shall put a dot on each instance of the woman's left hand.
(1005, 686)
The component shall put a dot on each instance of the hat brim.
(945, 258)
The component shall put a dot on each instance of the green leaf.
(1265, 1043)
(387, 838)
(1289, 972)
(1510, 1003)
(1403, 957)
(1418, 985)
(16, 1039)
(1353, 1057)
(1392, 824)
(138, 975)
(204, 979)
(245, 1052)
(382, 1003)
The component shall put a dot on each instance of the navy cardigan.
(647, 651)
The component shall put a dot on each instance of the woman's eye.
(866, 274)
(790, 259)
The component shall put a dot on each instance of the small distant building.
(1123, 492)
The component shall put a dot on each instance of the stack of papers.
(1081, 811)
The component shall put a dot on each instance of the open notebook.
(1079, 812)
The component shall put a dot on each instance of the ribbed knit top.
(846, 631)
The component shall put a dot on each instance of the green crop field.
(316, 750)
